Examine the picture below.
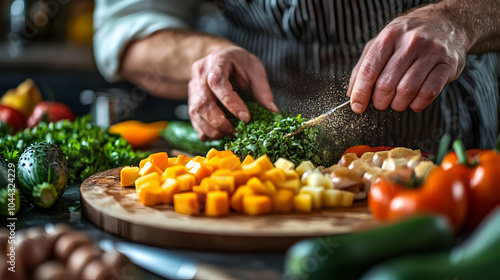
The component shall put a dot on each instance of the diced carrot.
(186, 181)
(149, 167)
(169, 188)
(151, 177)
(237, 197)
(200, 171)
(160, 160)
(240, 177)
(186, 203)
(231, 162)
(248, 159)
(182, 160)
(142, 162)
(282, 201)
(226, 153)
(264, 163)
(256, 204)
(212, 153)
(217, 204)
(128, 175)
(173, 172)
(149, 193)
(274, 175)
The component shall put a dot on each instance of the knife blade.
(313, 122)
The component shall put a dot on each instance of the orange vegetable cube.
(214, 161)
(149, 167)
(237, 197)
(291, 175)
(142, 162)
(212, 153)
(169, 188)
(160, 160)
(248, 159)
(226, 153)
(217, 204)
(149, 193)
(264, 163)
(266, 188)
(302, 202)
(230, 162)
(222, 172)
(282, 201)
(186, 181)
(173, 172)
(223, 183)
(252, 169)
(274, 175)
(182, 160)
(199, 190)
(151, 177)
(240, 177)
(197, 159)
(186, 203)
(293, 185)
(172, 160)
(128, 175)
(200, 171)
(256, 204)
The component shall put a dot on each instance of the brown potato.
(81, 257)
(68, 243)
(52, 270)
(97, 270)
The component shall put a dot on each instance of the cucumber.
(349, 256)
(182, 136)
(9, 195)
(476, 258)
(42, 173)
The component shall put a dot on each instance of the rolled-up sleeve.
(117, 23)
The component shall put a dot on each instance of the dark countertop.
(68, 211)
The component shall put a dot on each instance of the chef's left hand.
(409, 62)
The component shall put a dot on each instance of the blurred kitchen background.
(50, 41)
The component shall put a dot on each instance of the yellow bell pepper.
(24, 98)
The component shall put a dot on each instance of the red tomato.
(12, 117)
(56, 111)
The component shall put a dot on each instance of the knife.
(163, 262)
(313, 122)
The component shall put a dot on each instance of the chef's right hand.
(210, 82)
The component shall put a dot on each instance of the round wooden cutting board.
(118, 210)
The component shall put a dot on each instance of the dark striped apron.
(309, 48)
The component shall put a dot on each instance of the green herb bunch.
(265, 134)
(88, 148)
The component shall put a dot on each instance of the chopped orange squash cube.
(275, 175)
(149, 167)
(199, 190)
(231, 162)
(222, 172)
(226, 153)
(302, 202)
(240, 177)
(172, 161)
(256, 204)
(291, 175)
(237, 197)
(217, 204)
(293, 184)
(182, 160)
(169, 188)
(160, 160)
(224, 183)
(252, 169)
(214, 161)
(149, 193)
(128, 175)
(186, 203)
(264, 163)
(200, 171)
(259, 187)
(186, 181)
(282, 201)
(173, 172)
(248, 159)
(142, 162)
(212, 153)
(193, 161)
(151, 177)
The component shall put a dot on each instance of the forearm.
(478, 19)
(161, 63)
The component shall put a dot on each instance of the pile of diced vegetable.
(221, 182)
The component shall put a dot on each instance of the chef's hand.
(210, 83)
(409, 62)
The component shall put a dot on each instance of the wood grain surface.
(118, 210)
